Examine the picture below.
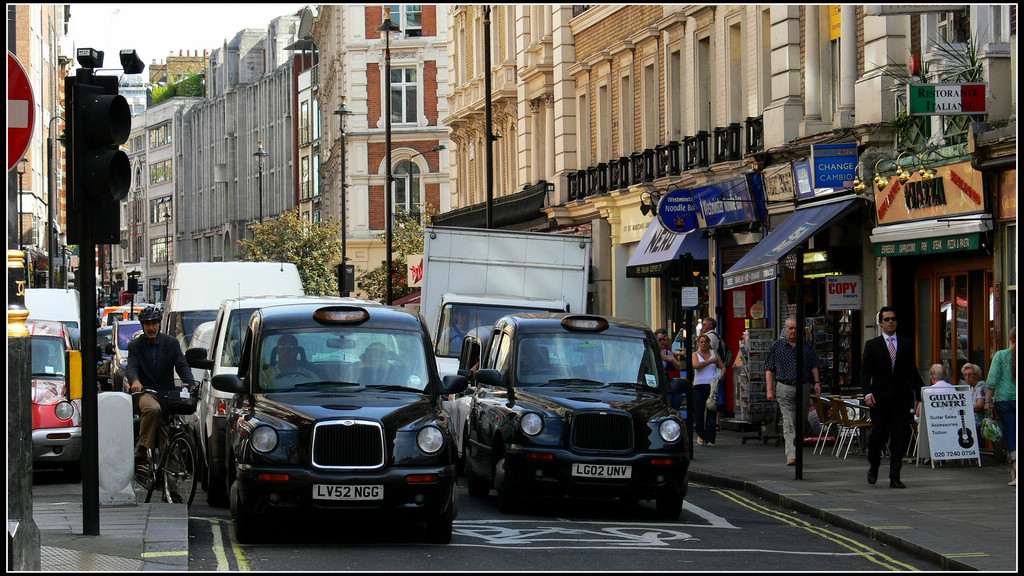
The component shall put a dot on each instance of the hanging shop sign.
(779, 183)
(954, 190)
(731, 202)
(802, 176)
(834, 167)
(946, 99)
(677, 211)
(1007, 196)
(844, 292)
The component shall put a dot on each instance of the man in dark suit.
(892, 387)
(152, 360)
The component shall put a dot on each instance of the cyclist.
(152, 361)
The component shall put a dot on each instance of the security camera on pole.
(98, 120)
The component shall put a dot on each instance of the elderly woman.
(971, 374)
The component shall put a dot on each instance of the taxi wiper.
(576, 381)
(395, 388)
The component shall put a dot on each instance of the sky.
(156, 30)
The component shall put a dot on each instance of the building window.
(160, 210)
(407, 187)
(404, 99)
(407, 17)
(303, 123)
(159, 249)
(160, 136)
(160, 172)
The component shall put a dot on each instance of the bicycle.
(173, 467)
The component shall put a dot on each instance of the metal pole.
(488, 121)
(389, 179)
(800, 406)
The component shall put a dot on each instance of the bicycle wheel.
(145, 473)
(179, 470)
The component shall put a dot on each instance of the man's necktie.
(892, 351)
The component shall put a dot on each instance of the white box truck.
(481, 275)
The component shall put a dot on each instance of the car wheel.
(477, 485)
(216, 487)
(508, 499)
(73, 472)
(439, 530)
(669, 505)
(463, 454)
(247, 527)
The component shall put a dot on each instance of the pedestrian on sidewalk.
(1002, 387)
(892, 388)
(707, 366)
(781, 379)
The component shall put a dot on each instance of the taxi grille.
(602, 431)
(351, 444)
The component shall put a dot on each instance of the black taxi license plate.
(601, 471)
(348, 492)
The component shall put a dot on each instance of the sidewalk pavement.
(957, 516)
(960, 517)
(150, 536)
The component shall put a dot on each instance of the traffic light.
(98, 120)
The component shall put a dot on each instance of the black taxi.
(575, 405)
(336, 412)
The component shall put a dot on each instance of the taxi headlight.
(64, 410)
(670, 430)
(430, 439)
(264, 439)
(531, 424)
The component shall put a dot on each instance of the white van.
(59, 304)
(197, 288)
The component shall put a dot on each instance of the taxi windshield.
(357, 358)
(47, 356)
(585, 358)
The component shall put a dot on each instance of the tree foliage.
(314, 249)
(406, 238)
(193, 85)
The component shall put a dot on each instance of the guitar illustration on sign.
(966, 439)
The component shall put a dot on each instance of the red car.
(56, 417)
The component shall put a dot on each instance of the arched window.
(407, 187)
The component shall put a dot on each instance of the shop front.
(935, 237)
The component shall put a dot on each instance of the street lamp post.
(261, 154)
(385, 29)
(51, 202)
(167, 253)
(21, 200)
(342, 112)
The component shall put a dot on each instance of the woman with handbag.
(1002, 388)
(708, 367)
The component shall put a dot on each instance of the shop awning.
(660, 247)
(759, 265)
(930, 236)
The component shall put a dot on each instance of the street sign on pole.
(21, 111)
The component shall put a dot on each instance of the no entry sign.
(21, 108)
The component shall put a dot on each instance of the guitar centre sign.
(950, 432)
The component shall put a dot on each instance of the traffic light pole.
(97, 123)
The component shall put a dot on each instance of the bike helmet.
(150, 313)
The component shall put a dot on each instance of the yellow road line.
(839, 539)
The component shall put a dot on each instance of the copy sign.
(843, 292)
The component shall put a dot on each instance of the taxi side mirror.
(454, 384)
(229, 383)
(196, 358)
(490, 377)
